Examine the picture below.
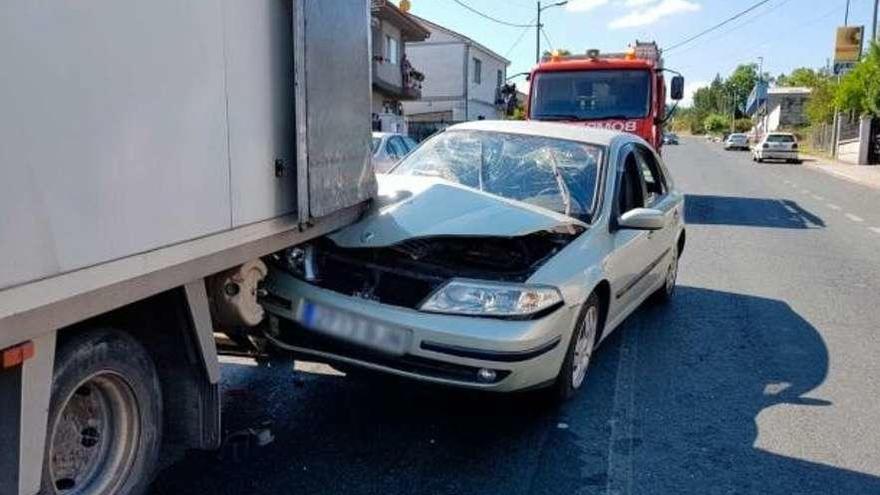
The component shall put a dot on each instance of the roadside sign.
(847, 47)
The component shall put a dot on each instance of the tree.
(740, 84)
(803, 77)
(859, 91)
(820, 107)
(716, 123)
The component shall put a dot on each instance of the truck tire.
(105, 417)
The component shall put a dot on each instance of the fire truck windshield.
(591, 95)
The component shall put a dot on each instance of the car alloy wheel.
(671, 274)
(583, 346)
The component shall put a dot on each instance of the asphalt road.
(761, 376)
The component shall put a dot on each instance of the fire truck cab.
(620, 91)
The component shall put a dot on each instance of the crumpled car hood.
(410, 207)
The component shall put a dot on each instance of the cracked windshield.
(440, 247)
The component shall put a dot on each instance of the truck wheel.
(105, 417)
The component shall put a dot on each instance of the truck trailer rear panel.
(129, 126)
(145, 146)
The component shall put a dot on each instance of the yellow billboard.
(848, 47)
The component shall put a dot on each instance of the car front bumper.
(445, 349)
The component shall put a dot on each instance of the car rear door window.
(631, 192)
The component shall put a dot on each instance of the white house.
(462, 78)
(395, 79)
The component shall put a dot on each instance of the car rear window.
(780, 138)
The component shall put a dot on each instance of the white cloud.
(638, 3)
(584, 5)
(646, 15)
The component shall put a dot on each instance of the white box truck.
(151, 152)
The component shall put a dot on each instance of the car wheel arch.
(603, 291)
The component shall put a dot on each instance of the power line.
(740, 25)
(518, 40)
(493, 19)
(547, 39)
(716, 26)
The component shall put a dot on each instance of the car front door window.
(631, 192)
(655, 186)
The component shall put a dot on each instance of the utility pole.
(846, 14)
(874, 24)
(733, 111)
(538, 27)
(538, 36)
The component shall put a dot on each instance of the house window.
(500, 79)
(478, 71)
(391, 50)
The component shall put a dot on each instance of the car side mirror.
(676, 90)
(642, 219)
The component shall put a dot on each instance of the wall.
(482, 95)
(848, 151)
(442, 64)
(386, 70)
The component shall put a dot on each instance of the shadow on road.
(670, 406)
(748, 212)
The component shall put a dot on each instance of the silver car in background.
(777, 146)
(736, 141)
(388, 148)
(497, 256)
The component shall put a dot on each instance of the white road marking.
(805, 191)
(818, 198)
(833, 206)
(875, 230)
(854, 218)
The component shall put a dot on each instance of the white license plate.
(353, 328)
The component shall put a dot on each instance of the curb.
(829, 169)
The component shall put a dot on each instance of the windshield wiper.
(563, 188)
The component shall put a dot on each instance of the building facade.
(775, 108)
(394, 78)
(462, 78)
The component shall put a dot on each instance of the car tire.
(584, 337)
(104, 382)
(664, 293)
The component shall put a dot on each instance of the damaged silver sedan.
(497, 256)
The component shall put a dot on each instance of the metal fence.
(849, 128)
(821, 138)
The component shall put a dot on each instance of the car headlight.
(480, 298)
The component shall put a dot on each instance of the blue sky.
(787, 33)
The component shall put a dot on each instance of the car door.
(658, 196)
(632, 250)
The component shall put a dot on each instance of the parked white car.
(497, 257)
(736, 141)
(776, 146)
(388, 148)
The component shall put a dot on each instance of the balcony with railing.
(401, 81)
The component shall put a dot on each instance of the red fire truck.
(620, 91)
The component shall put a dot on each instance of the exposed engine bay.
(406, 273)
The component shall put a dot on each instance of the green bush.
(716, 123)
